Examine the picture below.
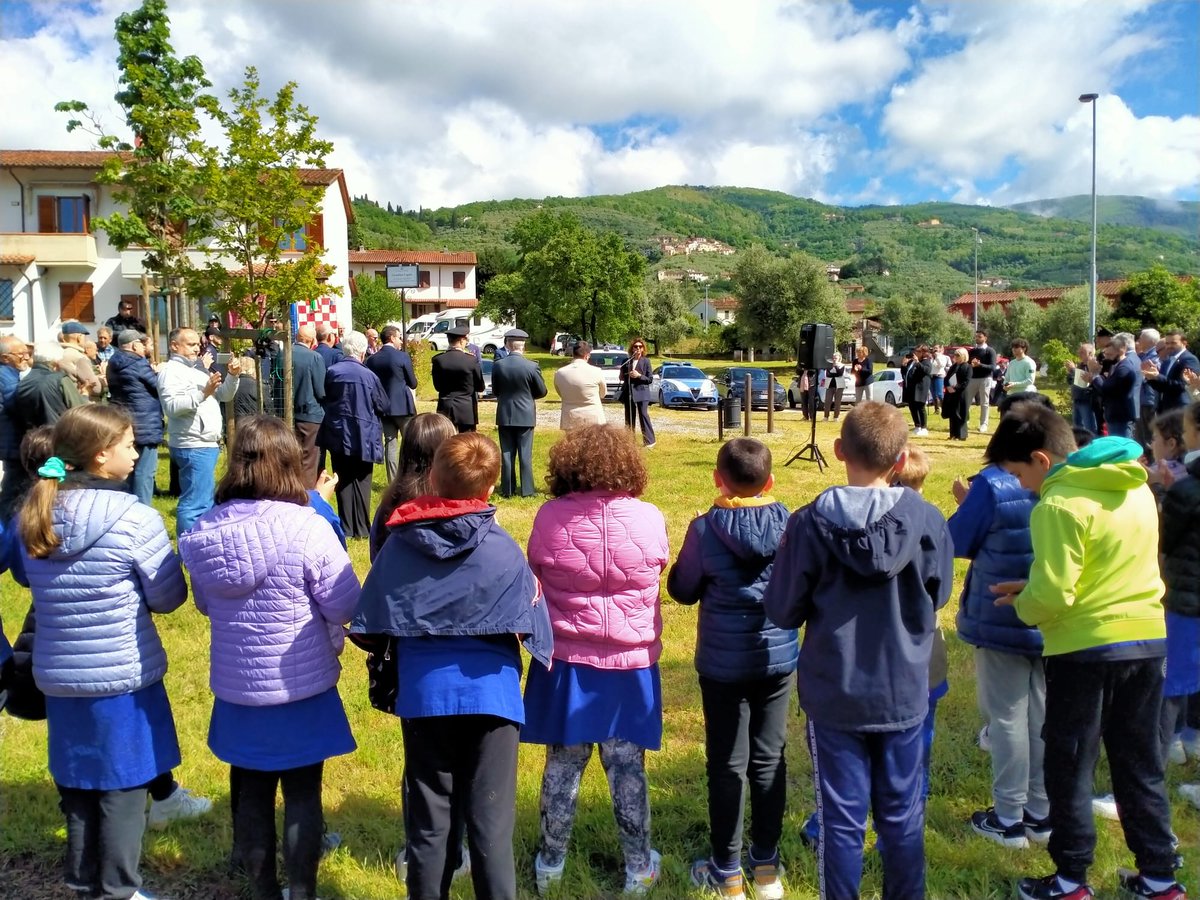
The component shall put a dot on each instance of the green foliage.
(259, 200)
(780, 295)
(569, 277)
(382, 229)
(1178, 216)
(375, 304)
(924, 319)
(665, 313)
(1056, 355)
(1068, 318)
(159, 177)
(1156, 298)
(1023, 319)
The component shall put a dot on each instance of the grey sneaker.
(641, 882)
(547, 875)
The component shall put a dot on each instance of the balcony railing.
(52, 249)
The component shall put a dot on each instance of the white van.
(418, 327)
(483, 332)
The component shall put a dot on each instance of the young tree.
(1067, 319)
(1156, 298)
(1024, 318)
(160, 175)
(923, 319)
(780, 295)
(375, 304)
(665, 312)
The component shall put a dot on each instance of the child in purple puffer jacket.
(277, 586)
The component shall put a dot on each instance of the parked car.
(610, 361)
(482, 331)
(486, 365)
(885, 386)
(562, 343)
(681, 384)
(735, 386)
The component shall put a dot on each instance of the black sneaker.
(986, 824)
(1047, 888)
(1133, 885)
(1037, 830)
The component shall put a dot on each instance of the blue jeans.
(881, 771)
(197, 483)
(141, 479)
(1082, 413)
(1120, 429)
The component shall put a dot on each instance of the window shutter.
(75, 301)
(423, 278)
(47, 215)
(316, 231)
(87, 214)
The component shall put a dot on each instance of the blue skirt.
(577, 704)
(1183, 656)
(111, 743)
(281, 737)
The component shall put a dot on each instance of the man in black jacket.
(308, 393)
(394, 367)
(1120, 387)
(517, 383)
(42, 397)
(458, 380)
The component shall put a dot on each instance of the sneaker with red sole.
(1048, 888)
(1133, 884)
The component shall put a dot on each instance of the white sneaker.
(984, 741)
(641, 882)
(142, 895)
(182, 804)
(983, 429)
(1190, 793)
(547, 875)
(1106, 807)
(1175, 753)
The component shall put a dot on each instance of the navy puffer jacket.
(725, 564)
(991, 528)
(133, 386)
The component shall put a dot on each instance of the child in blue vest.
(864, 568)
(747, 668)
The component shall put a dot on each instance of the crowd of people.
(1082, 640)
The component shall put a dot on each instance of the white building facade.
(445, 280)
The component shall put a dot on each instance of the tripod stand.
(810, 452)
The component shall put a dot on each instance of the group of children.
(1061, 604)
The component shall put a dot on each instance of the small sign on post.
(401, 277)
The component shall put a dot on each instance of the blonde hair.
(78, 438)
(915, 471)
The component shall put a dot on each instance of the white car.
(682, 384)
(610, 361)
(482, 331)
(885, 386)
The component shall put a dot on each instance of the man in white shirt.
(580, 386)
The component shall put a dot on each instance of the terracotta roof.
(1041, 296)
(462, 303)
(433, 257)
(16, 259)
(57, 159)
(856, 305)
(726, 303)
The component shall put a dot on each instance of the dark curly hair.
(597, 458)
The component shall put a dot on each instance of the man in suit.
(458, 379)
(308, 399)
(327, 337)
(1120, 389)
(517, 382)
(1166, 376)
(581, 387)
(395, 370)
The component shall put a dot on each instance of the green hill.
(890, 250)
(1176, 216)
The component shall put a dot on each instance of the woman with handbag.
(99, 564)
(277, 587)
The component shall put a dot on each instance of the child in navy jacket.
(864, 568)
(746, 664)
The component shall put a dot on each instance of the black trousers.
(1119, 703)
(468, 762)
(638, 412)
(254, 828)
(918, 410)
(353, 493)
(516, 448)
(745, 735)
(104, 840)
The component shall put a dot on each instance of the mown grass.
(361, 790)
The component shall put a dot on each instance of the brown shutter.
(47, 215)
(315, 232)
(460, 280)
(423, 278)
(87, 214)
(75, 301)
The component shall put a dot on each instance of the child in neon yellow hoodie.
(1094, 592)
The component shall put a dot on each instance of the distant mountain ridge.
(1177, 216)
(886, 250)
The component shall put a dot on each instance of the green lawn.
(361, 790)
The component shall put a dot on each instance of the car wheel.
(662, 401)
(489, 348)
(778, 407)
(433, 346)
(890, 398)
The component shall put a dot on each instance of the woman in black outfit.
(635, 373)
(956, 404)
(916, 389)
(834, 385)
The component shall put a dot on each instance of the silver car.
(610, 361)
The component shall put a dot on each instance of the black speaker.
(816, 348)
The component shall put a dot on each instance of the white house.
(53, 266)
(444, 280)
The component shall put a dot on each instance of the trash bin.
(733, 412)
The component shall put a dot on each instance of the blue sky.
(847, 102)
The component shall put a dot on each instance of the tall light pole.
(975, 240)
(1092, 98)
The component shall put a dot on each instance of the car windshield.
(608, 360)
(686, 372)
(757, 376)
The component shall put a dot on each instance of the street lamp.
(977, 242)
(1091, 98)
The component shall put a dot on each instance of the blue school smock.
(573, 703)
(280, 737)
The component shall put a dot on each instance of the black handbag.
(25, 699)
(383, 681)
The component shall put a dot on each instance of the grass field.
(361, 790)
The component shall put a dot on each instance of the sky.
(850, 103)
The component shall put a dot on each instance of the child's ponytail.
(37, 514)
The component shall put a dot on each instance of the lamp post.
(1091, 98)
(975, 240)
